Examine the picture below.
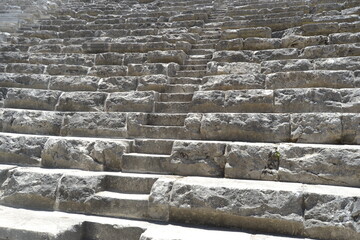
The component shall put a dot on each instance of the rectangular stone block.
(176, 56)
(94, 125)
(168, 69)
(131, 101)
(290, 65)
(31, 99)
(350, 128)
(21, 150)
(254, 43)
(118, 84)
(316, 128)
(215, 68)
(63, 69)
(25, 68)
(234, 82)
(233, 56)
(32, 122)
(73, 83)
(308, 79)
(81, 101)
(108, 71)
(259, 127)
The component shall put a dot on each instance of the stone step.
(176, 97)
(173, 107)
(270, 127)
(191, 73)
(182, 88)
(200, 57)
(183, 80)
(193, 67)
(151, 146)
(201, 51)
(145, 163)
(192, 61)
(61, 226)
(288, 162)
(134, 206)
(297, 215)
(203, 46)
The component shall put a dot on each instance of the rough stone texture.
(32, 122)
(234, 82)
(316, 128)
(94, 125)
(31, 99)
(199, 159)
(81, 101)
(246, 127)
(30, 189)
(86, 155)
(233, 68)
(131, 102)
(21, 150)
(176, 56)
(118, 84)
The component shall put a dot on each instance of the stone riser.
(285, 208)
(258, 127)
(237, 101)
(321, 164)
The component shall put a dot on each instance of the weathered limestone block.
(81, 101)
(139, 58)
(96, 47)
(246, 127)
(21, 80)
(233, 44)
(109, 59)
(63, 69)
(30, 188)
(21, 150)
(342, 63)
(69, 59)
(76, 191)
(341, 38)
(73, 83)
(118, 84)
(233, 56)
(187, 17)
(260, 32)
(350, 26)
(251, 161)
(286, 66)
(205, 101)
(307, 100)
(25, 68)
(176, 56)
(45, 48)
(233, 68)
(181, 37)
(108, 71)
(14, 57)
(66, 153)
(331, 51)
(295, 41)
(247, 204)
(31, 98)
(197, 158)
(94, 125)
(319, 28)
(253, 100)
(350, 128)
(32, 122)
(275, 54)
(331, 212)
(316, 128)
(44, 34)
(152, 83)
(254, 43)
(159, 199)
(234, 82)
(350, 99)
(325, 164)
(307, 79)
(168, 69)
(131, 101)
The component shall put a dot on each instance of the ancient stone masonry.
(179, 120)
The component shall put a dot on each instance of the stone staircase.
(159, 120)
